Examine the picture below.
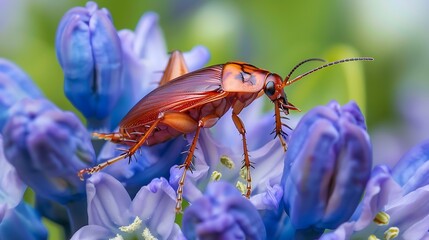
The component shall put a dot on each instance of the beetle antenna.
(299, 64)
(286, 82)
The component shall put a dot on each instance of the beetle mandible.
(186, 102)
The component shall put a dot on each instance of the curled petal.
(329, 151)
(93, 232)
(48, 147)
(15, 85)
(222, 214)
(11, 186)
(89, 51)
(148, 204)
(412, 171)
(22, 222)
(108, 201)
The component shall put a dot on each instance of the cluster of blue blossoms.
(323, 187)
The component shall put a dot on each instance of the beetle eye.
(270, 88)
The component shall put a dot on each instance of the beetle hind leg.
(118, 137)
(247, 164)
(206, 121)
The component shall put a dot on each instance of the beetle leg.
(176, 67)
(130, 152)
(278, 131)
(246, 163)
(206, 121)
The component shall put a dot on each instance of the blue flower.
(89, 51)
(15, 85)
(16, 215)
(48, 147)
(22, 222)
(11, 186)
(222, 213)
(329, 152)
(113, 215)
(397, 200)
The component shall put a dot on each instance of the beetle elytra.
(186, 102)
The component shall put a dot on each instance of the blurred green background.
(275, 35)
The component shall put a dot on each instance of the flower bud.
(15, 85)
(48, 147)
(327, 166)
(222, 213)
(89, 51)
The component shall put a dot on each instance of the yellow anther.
(391, 233)
(117, 237)
(147, 235)
(227, 162)
(133, 226)
(373, 237)
(243, 173)
(215, 176)
(382, 218)
(241, 187)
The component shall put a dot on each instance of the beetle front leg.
(246, 163)
(278, 130)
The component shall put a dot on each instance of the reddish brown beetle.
(186, 102)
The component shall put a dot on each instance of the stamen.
(117, 237)
(382, 218)
(215, 176)
(133, 226)
(391, 233)
(147, 235)
(227, 162)
(243, 173)
(373, 237)
(241, 187)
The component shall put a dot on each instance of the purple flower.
(222, 213)
(15, 85)
(113, 215)
(22, 222)
(11, 186)
(404, 209)
(89, 51)
(18, 220)
(327, 166)
(48, 147)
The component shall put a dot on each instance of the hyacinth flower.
(47, 147)
(222, 213)
(15, 85)
(113, 215)
(327, 166)
(89, 52)
(17, 218)
(106, 71)
(395, 203)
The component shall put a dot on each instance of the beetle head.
(273, 88)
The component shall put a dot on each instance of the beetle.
(187, 102)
